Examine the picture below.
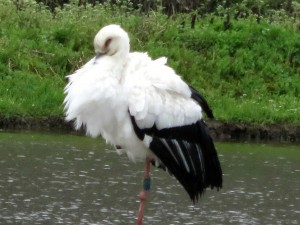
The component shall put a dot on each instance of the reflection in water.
(64, 179)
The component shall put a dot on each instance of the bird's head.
(111, 40)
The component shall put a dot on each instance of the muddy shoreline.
(221, 131)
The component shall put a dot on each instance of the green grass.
(248, 73)
(25, 95)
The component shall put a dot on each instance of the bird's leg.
(144, 194)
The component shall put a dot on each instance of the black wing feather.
(188, 152)
(202, 102)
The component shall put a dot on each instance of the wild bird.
(145, 109)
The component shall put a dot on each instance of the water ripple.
(70, 181)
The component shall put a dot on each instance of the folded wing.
(167, 116)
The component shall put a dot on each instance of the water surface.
(68, 179)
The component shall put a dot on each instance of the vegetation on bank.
(248, 69)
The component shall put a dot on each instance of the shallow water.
(67, 179)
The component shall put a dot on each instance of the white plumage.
(135, 102)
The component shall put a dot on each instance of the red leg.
(144, 194)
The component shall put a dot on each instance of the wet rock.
(222, 131)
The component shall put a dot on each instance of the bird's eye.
(107, 43)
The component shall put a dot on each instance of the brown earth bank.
(221, 131)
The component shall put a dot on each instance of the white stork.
(145, 109)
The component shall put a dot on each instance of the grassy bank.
(249, 71)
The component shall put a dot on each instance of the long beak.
(99, 55)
